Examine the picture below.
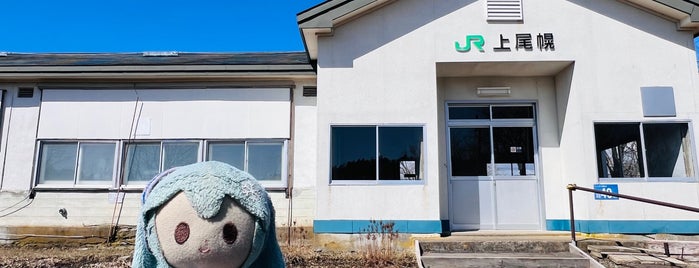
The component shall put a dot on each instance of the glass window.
(355, 154)
(668, 150)
(229, 153)
(68, 163)
(58, 162)
(470, 151)
(513, 112)
(665, 147)
(177, 154)
(513, 151)
(457, 112)
(400, 153)
(142, 161)
(619, 150)
(265, 161)
(96, 163)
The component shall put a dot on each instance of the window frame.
(646, 177)
(378, 181)
(75, 183)
(123, 180)
(281, 184)
(119, 179)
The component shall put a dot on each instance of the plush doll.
(207, 214)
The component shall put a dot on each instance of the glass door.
(493, 182)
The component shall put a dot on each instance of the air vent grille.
(310, 91)
(505, 10)
(25, 93)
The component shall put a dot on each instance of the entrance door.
(493, 182)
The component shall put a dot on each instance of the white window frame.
(246, 142)
(140, 184)
(647, 178)
(76, 182)
(378, 180)
(119, 179)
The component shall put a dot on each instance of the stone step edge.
(501, 256)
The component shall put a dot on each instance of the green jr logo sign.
(476, 40)
(522, 41)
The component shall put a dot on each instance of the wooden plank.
(634, 260)
(676, 247)
(611, 249)
(675, 262)
(650, 260)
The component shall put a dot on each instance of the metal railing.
(573, 187)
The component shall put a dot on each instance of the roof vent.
(25, 92)
(161, 54)
(310, 91)
(504, 10)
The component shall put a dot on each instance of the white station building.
(436, 115)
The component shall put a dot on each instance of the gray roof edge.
(679, 5)
(300, 68)
(182, 60)
(322, 16)
(689, 7)
(317, 10)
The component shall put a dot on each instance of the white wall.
(232, 113)
(19, 126)
(380, 68)
(165, 114)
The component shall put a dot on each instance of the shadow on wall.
(381, 27)
(636, 18)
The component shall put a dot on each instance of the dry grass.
(99, 256)
(40, 256)
(306, 256)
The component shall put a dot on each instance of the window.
(491, 140)
(376, 153)
(493, 112)
(264, 160)
(82, 163)
(643, 150)
(144, 160)
(68, 164)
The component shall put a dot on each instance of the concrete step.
(501, 252)
(649, 256)
(496, 246)
(561, 259)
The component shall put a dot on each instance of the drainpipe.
(290, 167)
(7, 109)
(36, 137)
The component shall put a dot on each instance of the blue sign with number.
(609, 188)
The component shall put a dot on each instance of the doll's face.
(189, 241)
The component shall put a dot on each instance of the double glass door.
(493, 182)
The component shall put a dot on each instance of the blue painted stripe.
(626, 227)
(364, 226)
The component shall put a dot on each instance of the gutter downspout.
(5, 108)
(290, 167)
(33, 181)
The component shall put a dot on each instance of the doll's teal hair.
(205, 184)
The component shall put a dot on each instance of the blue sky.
(151, 25)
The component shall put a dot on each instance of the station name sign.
(522, 41)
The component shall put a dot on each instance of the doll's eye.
(181, 233)
(230, 233)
